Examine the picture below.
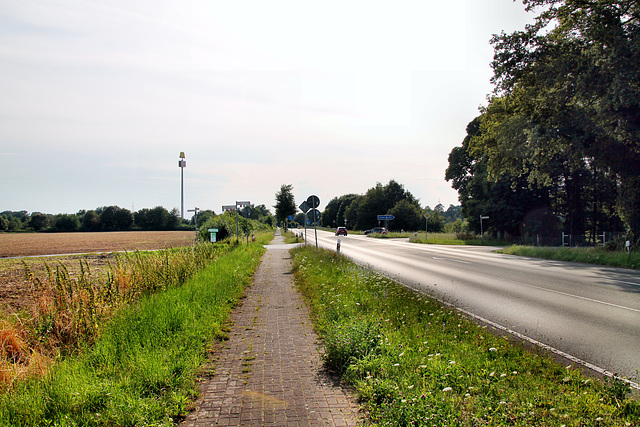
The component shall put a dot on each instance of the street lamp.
(182, 163)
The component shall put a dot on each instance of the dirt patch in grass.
(17, 293)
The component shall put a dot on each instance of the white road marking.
(451, 259)
(579, 297)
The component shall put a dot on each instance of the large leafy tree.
(567, 102)
(334, 213)
(285, 203)
(506, 198)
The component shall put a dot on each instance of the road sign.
(243, 203)
(313, 202)
(228, 208)
(290, 217)
(484, 217)
(313, 215)
(304, 207)
(386, 217)
(427, 215)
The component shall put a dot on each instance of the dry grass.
(49, 304)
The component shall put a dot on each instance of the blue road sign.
(386, 217)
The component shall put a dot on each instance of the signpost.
(481, 229)
(426, 226)
(195, 220)
(313, 202)
(304, 207)
(386, 219)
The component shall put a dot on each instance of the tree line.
(114, 218)
(557, 148)
(360, 211)
(107, 218)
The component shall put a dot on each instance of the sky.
(98, 98)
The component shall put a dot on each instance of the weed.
(390, 344)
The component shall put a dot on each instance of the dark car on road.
(380, 230)
(341, 231)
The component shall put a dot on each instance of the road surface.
(590, 314)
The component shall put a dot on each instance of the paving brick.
(270, 371)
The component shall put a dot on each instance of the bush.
(466, 236)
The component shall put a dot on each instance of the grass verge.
(453, 239)
(293, 237)
(415, 362)
(599, 256)
(142, 368)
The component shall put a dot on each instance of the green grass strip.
(142, 369)
(414, 361)
(598, 256)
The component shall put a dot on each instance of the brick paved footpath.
(269, 372)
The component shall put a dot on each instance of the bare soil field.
(30, 244)
(17, 293)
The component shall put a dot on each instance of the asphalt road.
(590, 314)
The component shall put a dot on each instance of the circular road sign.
(313, 202)
(313, 214)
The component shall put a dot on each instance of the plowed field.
(16, 293)
(29, 244)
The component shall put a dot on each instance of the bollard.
(338, 248)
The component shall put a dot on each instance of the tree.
(362, 211)
(91, 221)
(66, 222)
(407, 215)
(453, 213)
(38, 221)
(436, 219)
(285, 203)
(506, 198)
(114, 218)
(334, 213)
(570, 84)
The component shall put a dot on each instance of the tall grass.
(416, 362)
(143, 364)
(72, 309)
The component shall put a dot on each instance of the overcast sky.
(98, 98)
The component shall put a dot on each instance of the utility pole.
(182, 163)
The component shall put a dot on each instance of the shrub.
(346, 343)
